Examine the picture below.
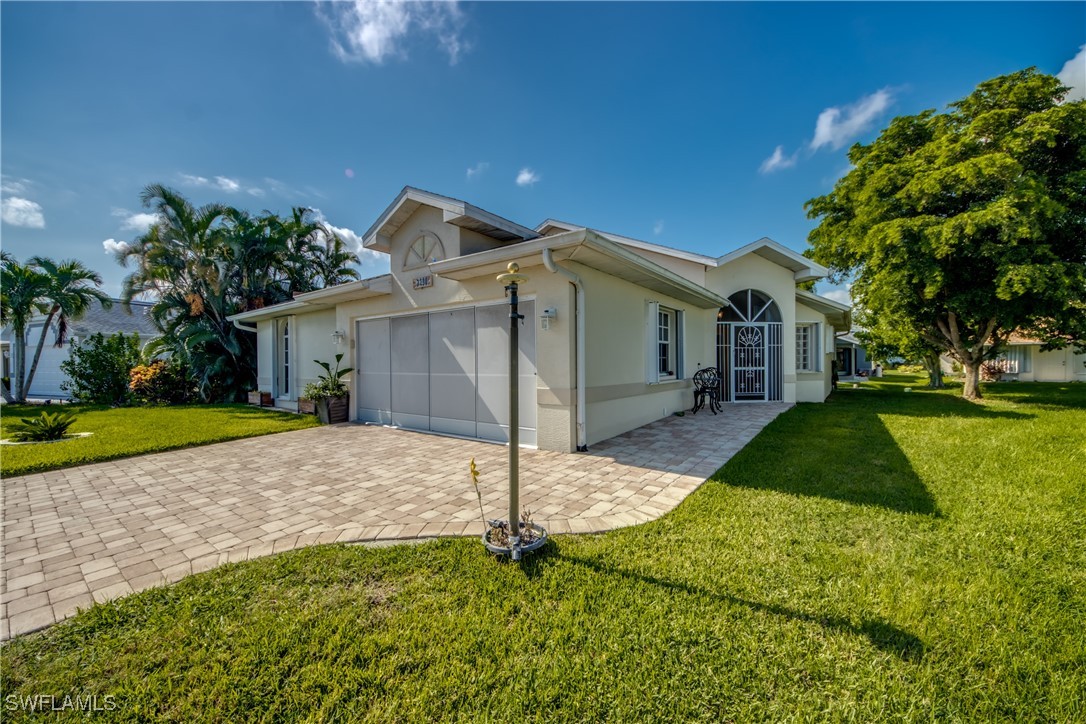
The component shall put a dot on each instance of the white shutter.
(652, 320)
(680, 345)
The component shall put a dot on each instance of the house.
(1022, 359)
(48, 377)
(614, 328)
(851, 356)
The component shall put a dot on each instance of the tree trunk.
(971, 389)
(935, 372)
(18, 362)
(38, 349)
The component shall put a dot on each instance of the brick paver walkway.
(96, 532)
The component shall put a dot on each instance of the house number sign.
(422, 282)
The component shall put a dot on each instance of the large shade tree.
(200, 265)
(970, 224)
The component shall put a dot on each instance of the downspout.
(241, 325)
(548, 261)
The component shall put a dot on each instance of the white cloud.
(1074, 75)
(371, 31)
(11, 185)
(778, 160)
(222, 183)
(112, 246)
(190, 180)
(838, 125)
(227, 184)
(22, 212)
(134, 221)
(658, 227)
(477, 169)
(349, 237)
(259, 193)
(527, 177)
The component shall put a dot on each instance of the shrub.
(911, 369)
(44, 427)
(163, 382)
(98, 368)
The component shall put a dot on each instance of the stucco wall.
(618, 396)
(314, 342)
(814, 386)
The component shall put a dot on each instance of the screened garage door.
(447, 372)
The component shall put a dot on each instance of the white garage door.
(447, 372)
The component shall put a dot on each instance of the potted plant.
(330, 392)
(496, 532)
(307, 406)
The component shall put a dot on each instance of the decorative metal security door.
(748, 348)
(749, 362)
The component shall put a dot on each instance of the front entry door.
(749, 362)
(844, 362)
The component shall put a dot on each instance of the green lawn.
(886, 556)
(126, 431)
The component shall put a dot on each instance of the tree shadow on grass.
(881, 634)
(851, 458)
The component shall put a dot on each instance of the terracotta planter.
(332, 410)
(307, 407)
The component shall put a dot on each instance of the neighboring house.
(614, 327)
(1023, 360)
(47, 378)
(851, 357)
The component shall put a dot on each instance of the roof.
(320, 299)
(588, 247)
(804, 269)
(554, 224)
(134, 318)
(837, 314)
(454, 211)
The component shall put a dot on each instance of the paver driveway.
(95, 532)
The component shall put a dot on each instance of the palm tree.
(186, 262)
(203, 264)
(25, 290)
(68, 297)
(315, 256)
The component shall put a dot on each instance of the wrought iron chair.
(707, 385)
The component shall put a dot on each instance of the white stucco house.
(614, 327)
(133, 319)
(1023, 360)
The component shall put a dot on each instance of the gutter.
(243, 327)
(549, 263)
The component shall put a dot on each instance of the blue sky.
(698, 125)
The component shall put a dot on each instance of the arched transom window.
(750, 305)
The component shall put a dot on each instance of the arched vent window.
(425, 249)
(750, 306)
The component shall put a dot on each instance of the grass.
(126, 431)
(885, 556)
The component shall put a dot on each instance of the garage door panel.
(492, 409)
(374, 367)
(424, 372)
(410, 368)
(452, 371)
